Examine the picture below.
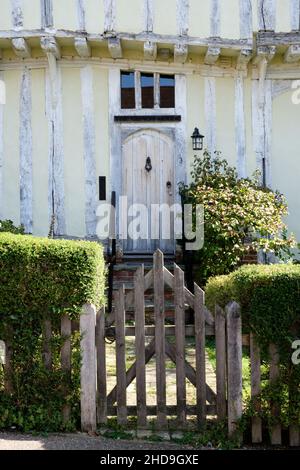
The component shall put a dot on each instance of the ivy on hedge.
(43, 279)
(269, 296)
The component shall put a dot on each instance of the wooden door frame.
(118, 131)
(173, 131)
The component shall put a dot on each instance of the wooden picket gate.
(226, 402)
(225, 325)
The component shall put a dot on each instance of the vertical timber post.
(220, 332)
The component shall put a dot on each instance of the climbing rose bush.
(239, 215)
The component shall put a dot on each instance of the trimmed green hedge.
(43, 275)
(43, 279)
(270, 303)
(268, 294)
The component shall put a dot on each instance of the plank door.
(149, 193)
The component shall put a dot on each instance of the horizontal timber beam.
(171, 410)
(158, 66)
(235, 44)
(278, 39)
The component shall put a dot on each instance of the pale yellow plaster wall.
(65, 14)
(32, 14)
(40, 154)
(230, 19)
(100, 84)
(94, 16)
(195, 115)
(165, 17)
(129, 16)
(250, 154)
(11, 170)
(225, 118)
(225, 125)
(199, 22)
(73, 152)
(5, 15)
(285, 162)
(283, 18)
(254, 14)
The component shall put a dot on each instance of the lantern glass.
(197, 140)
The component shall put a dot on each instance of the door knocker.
(169, 188)
(148, 166)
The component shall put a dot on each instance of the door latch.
(169, 187)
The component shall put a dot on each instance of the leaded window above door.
(144, 90)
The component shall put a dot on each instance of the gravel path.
(79, 441)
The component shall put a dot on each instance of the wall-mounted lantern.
(197, 140)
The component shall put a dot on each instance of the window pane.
(127, 90)
(167, 91)
(147, 84)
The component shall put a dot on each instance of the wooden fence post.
(200, 355)
(180, 344)
(139, 311)
(275, 410)
(121, 357)
(66, 331)
(88, 368)
(220, 334)
(294, 429)
(101, 367)
(159, 314)
(234, 365)
(255, 389)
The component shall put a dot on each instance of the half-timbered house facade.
(94, 90)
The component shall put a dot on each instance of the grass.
(211, 352)
(151, 372)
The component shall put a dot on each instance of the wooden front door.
(148, 183)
